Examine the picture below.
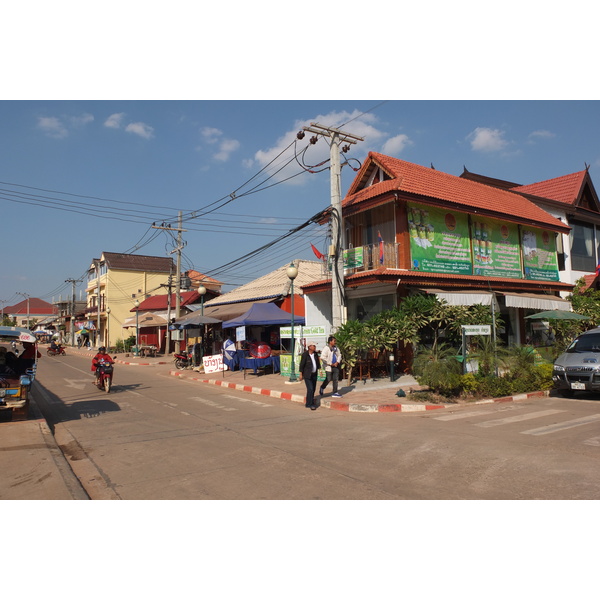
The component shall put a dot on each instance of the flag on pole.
(598, 270)
(380, 239)
(317, 253)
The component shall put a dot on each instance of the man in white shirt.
(332, 359)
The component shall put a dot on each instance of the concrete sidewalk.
(32, 467)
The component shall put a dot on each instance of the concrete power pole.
(74, 282)
(180, 246)
(336, 137)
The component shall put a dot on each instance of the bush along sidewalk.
(512, 372)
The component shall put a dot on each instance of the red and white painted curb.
(366, 407)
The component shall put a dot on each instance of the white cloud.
(141, 129)
(226, 147)
(211, 134)
(484, 139)
(396, 145)
(541, 134)
(82, 120)
(53, 127)
(114, 121)
(362, 125)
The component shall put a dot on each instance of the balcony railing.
(368, 258)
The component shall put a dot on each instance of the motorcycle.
(60, 351)
(104, 375)
(183, 360)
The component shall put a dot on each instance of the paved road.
(157, 437)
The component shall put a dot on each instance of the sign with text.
(539, 254)
(439, 240)
(477, 329)
(496, 250)
(213, 363)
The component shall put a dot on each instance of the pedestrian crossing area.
(554, 421)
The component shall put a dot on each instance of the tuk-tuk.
(17, 370)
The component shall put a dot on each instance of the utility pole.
(178, 249)
(337, 137)
(74, 282)
(26, 296)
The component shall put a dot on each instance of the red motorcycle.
(58, 351)
(104, 375)
(183, 360)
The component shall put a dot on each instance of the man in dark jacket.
(309, 368)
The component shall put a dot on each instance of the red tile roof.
(37, 306)
(562, 189)
(471, 196)
(160, 302)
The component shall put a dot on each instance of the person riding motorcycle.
(101, 357)
(54, 346)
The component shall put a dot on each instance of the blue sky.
(82, 177)
(89, 157)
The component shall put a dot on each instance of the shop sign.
(539, 254)
(213, 363)
(439, 240)
(496, 249)
(477, 329)
(353, 258)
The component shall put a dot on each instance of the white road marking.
(517, 418)
(593, 441)
(460, 415)
(78, 384)
(211, 403)
(561, 426)
(252, 401)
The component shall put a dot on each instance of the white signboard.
(477, 329)
(240, 333)
(213, 363)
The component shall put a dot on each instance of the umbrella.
(564, 315)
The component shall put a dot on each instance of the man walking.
(309, 368)
(332, 359)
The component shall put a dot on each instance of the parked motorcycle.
(184, 360)
(60, 351)
(104, 375)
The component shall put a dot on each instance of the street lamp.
(292, 273)
(137, 328)
(202, 291)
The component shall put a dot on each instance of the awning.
(537, 301)
(225, 312)
(145, 320)
(466, 297)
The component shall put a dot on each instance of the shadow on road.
(54, 409)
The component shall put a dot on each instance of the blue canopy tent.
(264, 314)
(260, 314)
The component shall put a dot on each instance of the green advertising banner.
(353, 258)
(439, 240)
(496, 249)
(539, 254)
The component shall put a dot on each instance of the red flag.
(317, 253)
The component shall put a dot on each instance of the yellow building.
(115, 282)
